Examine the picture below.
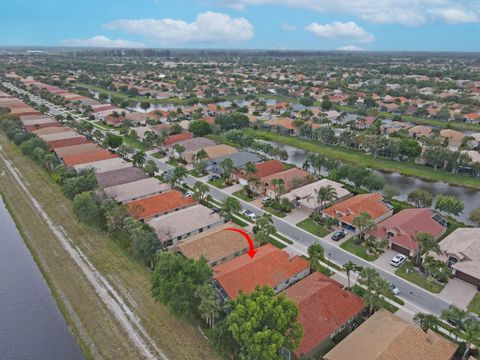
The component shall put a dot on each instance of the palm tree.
(315, 253)
(375, 286)
(200, 191)
(178, 174)
(426, 321)
(426, 244)
(323, 196)
(471, 333)
(364, 223)
(350, 267)
(227, 167)
(202, 155)
(209, 308)
(278, 187)
(454, 316)
(231, 206)
(264, 228)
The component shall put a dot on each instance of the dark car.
(338, 235)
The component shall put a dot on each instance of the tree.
(150, 167)
(263, 324)
(420, 198)
(326, 105)
(201, 155)
(145, 105)
(231, 206)
(454, 316)
(176, 279)
(474, 217)
(227, 166)
(375, 287)
(390, 191)
(208, 308)
(138, 158)
(471, 334)
(264, 228)
(114, 214)
(426, 321)
(85, 208)
(350, 267)
(364, 223)
(112, 141)
(278, 187)
(449, 204)
(426, 244)
(78, 184)
(177, 175)
(200, 191)
(125, 150)
(315, 253)
(145, 244)
(250, 169)
(323, 196)
(200, 128)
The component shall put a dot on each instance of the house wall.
(225, 259)
(290, 281)
(177, 239)
(147, 219)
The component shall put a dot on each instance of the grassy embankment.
(97, 331)
(359, 157)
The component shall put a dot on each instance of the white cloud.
(102, 41)
(406, 12)
(208, 27)
(350, 48)
(456, 15)
(288, 27)
(341, 30)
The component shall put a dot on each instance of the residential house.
(452, 137)
(461, 249)
(386, 336)
(401, 229)
(173, 139)
(87, 157)
(77, 140)
(212, 152)
(347, 210)
(304, 196)
(135, 190)
(263, 169)
(292, 178)
(270, 266)
(181, 224)
(217, 245)
(325, 308)
(119, 176)
(190, 145)
(106, 165)
(239, 159)
(152, 207)
(76, 149)
(50, 130)
(282, 125)
(420, 130)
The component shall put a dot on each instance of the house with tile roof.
(173, 139)
(347, 210)
(135, 190)
(87, 157)
(401, 229)
(77, 140)
(264, 169)
(119, 176)
(292, 178)
(386, 336)
(76, 149)
(152, 207)
(270, 266)
(217, 245)
(461, 249)
(100, 166)
(324, 309)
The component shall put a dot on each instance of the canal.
(31, 325)
(405, 184)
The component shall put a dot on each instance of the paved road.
(422, 299)
(419, 297)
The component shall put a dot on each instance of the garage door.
(400, 250)
(467, 278)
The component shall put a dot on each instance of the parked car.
(249, 214)
(188, 193)
(398, 260)
(212, 177)
(394, 288)
(338, 235)
(266, 200)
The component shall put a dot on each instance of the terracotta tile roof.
(264, 169)
(281, 122)
(77, 149)
(67, 142)
(119, 176)
(77, 159)
(406, 224)
(324, 306)
(270, 266)
(384, 336)
(50, 130)
(159, 204)
(288, 177)
(214, 244)
(348, 209)
(172, 139)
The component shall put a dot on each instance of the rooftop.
(119, 176)
(88, 157)
(159, 204)
(136, 189)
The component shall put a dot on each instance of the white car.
(249, 214)
(398, 260)
(395, 290)
(188, 193)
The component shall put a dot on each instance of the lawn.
(275, 212)
(474, 305)
(159, 155)
(218, 183)
(358, 250)
(359, 157)
(241, 195)
(384, 303)
(134, 143)
(313, 228)
(90, 321)
(196, 174)
(239, 222)
(408, 272)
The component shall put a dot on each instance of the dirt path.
(110, 297)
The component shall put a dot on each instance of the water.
(31, 325)
(406, 184)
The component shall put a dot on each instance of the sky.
(375, 25)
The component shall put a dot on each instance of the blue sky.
(433, 25)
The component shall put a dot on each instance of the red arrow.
(251, 252)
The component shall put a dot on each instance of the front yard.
(275, 212)
(474, 305)
(358, 250)
(218, 183)
(241, 195)
(408, 272)
(313, 228)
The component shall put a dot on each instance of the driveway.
(296, 216)
(383, 261)
(458, 292)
